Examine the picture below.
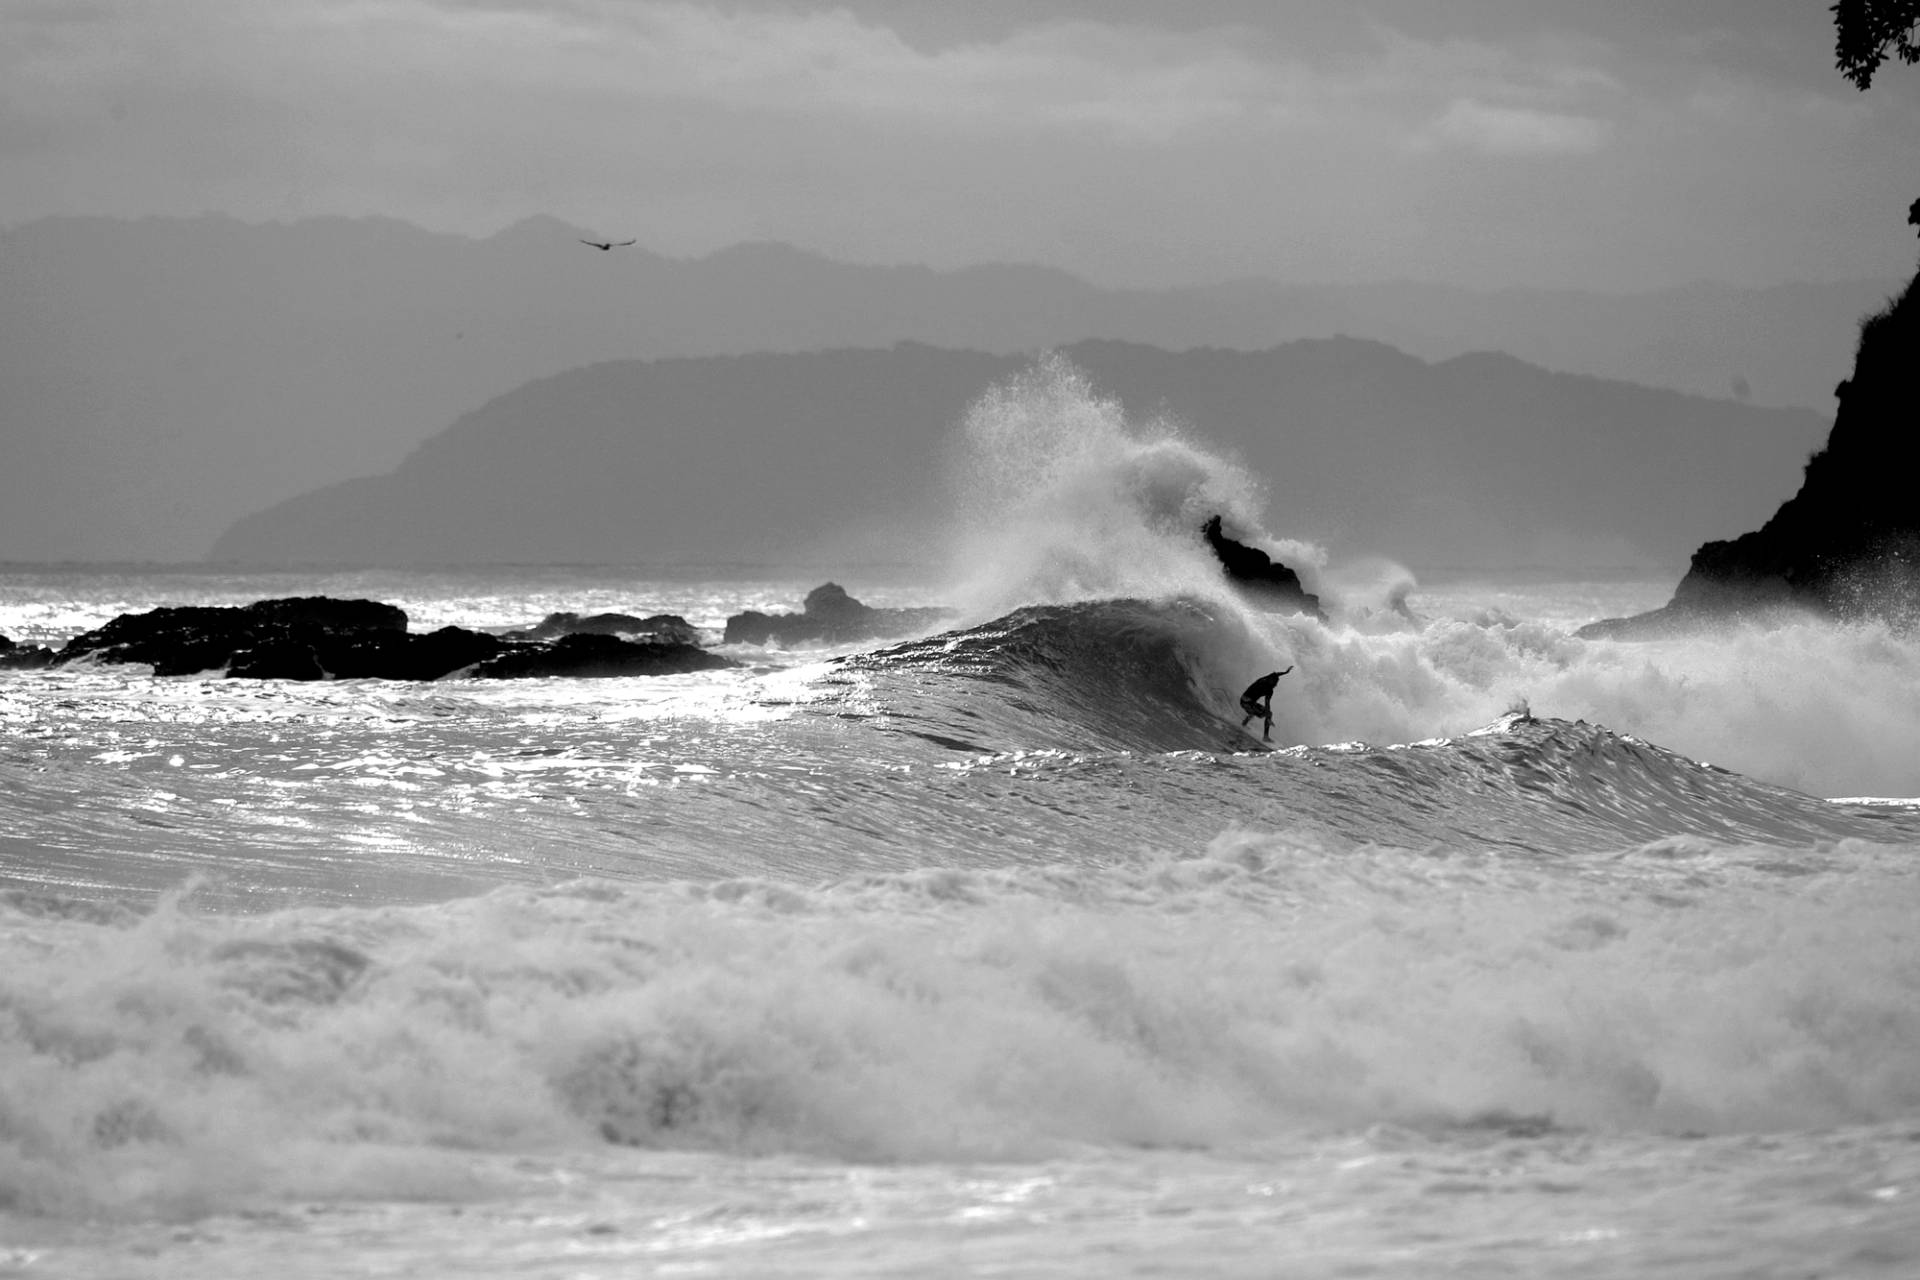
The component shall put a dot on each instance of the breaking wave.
(176, 1062)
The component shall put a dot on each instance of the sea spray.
(1829, 709)
(1060, 497)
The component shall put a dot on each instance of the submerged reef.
(1847, 545)
(320, 638)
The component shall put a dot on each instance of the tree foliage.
(1870, 32)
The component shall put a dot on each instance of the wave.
(1826, 709)
(1061, 498)
(179, 1062)
(1098, 675)
(1051, 689)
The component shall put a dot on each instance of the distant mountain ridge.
(1481, 460)
(161, 378)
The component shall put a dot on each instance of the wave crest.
(1271, 984)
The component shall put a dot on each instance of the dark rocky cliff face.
(1846, 542)
(1847, 545)
(1253, 571)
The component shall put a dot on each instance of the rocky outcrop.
(19, 656)
(318, 638)
(829, 616)
(1847, 545)
(180, 640)
(1272, 584)
(23, 657)
(662, 627)
(587, 655)
(380, 655)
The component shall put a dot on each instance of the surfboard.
(1247, 739)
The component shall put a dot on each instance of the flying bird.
(604, 245)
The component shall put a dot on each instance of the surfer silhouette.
(1257, 702)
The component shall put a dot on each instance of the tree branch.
(1871, 31)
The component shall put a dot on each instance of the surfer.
(1257, 702)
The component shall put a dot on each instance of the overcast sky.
(1616, 144)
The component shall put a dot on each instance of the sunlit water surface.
(1006, 955)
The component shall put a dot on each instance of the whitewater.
(998, 950)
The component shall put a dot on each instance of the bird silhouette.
(604, 245)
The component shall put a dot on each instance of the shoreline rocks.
(660, 627)
(1846, 546)
(320, 638)
(829, 616)
(588, 656)
(19, 656)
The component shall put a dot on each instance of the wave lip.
(1132, 675)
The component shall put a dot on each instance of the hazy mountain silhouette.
(1479, 460)
(159, 378)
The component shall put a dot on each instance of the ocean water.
(1000, 951)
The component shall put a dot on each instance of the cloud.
(1169, 147)
(455, 60)
(1099, 81)
(1513, 131)
(1116, 83)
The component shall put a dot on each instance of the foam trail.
(1825, 709)
(1833, 710)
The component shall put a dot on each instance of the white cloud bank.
(1131, 152)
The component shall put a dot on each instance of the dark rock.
(180, 640)
(670, 627)
(18, 656)
(590, 655)
(380, 655)
(320, 639)
(830, 616)
(278, 659)
(437, 653)
(1255, 572)
(1847, 545)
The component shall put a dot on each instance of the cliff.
(1847, 544)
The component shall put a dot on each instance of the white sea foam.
(1827, 709)
(1274, 985)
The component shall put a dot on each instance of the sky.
(1602, 144)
